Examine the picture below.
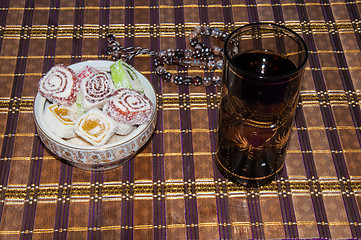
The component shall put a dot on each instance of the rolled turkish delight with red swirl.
(96, 90)
(129, 106)
(87, 71)
(59, 85)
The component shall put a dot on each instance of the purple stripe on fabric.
(77, 32)
(255, 217)
(103, 23)
(253, 199)
(127, 204)
(355, 111)
(227, 14)
(191, 213)
(326, 112)
(30, 207)
(95, 205)
(159, 214)
(286, 203)
(128, 169)
(12, 119)
(341, 168)
(94, 218)
(310, 169)
(34, 180)
(62, 207)
(287, 208)
(252, 11)
(4, 5)
(221, 202)
(51, 42)
(354, 17)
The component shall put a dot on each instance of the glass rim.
(293, 33)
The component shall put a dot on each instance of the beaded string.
(200, 56)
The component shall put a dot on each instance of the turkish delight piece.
(125, 76)
(79, 141)
(61, 120)
(59, 85)
(87, 71)
(129, 106)
(124, 129)
(95, 89)
(95, 127)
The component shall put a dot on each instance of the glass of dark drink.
(264, 64)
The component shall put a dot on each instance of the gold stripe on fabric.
(171, 226)
(204, 100)
(63, 8)
(138, 30)
(15, 194)
(179, 154)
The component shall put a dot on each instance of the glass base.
(245, 181)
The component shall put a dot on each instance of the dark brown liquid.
(256, 116)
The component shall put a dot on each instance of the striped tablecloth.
(172, 189)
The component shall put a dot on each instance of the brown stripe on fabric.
(128, 168)
(159, 212)
(253, 198)
(341, 168)
(12, 118)
(283, 187)
(318, 203)
(221, 199)
(191, 213)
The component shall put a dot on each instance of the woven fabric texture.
(172, 189)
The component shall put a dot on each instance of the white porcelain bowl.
(109, 156)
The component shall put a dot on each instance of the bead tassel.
(201, 56)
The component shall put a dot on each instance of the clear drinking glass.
(264, 64)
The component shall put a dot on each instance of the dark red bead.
(197, 81)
